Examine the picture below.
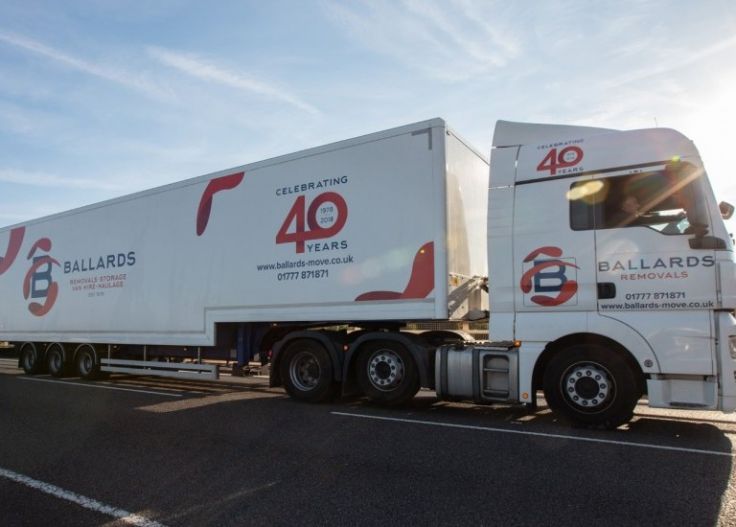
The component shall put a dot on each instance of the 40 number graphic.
(565, 158)
(323, 218)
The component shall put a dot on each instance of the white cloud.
(106, 72)
(676, 60)
(200, 68)
(40, 179)
(18, 120)
(448, 41)
(11, 216)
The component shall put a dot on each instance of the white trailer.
(322, 258)
(370, 232)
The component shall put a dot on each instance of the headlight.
(732, 346)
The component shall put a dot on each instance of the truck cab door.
(555, 264)
(655, 258)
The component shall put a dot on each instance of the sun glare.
(710, 125)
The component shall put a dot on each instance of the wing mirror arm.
(707, 242)
(726, 210)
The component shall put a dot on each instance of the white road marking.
(539, 434)
(143, 384)
(100, 386)
(88, 503)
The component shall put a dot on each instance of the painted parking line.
(88, 503)
(538, 434)
(99, 386)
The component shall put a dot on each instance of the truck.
(599, 258)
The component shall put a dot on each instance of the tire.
(55, 360)
(85, 362)
(30, 359)
(387, 373)
(591, 386)
(307, 371)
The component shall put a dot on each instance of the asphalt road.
(153, 452)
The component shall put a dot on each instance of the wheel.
(30, 359)
(387, 373)
(591, 386)
(307, 372)
(55, 360)
(85, 360)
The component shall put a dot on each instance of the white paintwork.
(403, 188)
(509, 133)
(694, 392)
(681, 345)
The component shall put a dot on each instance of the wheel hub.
(385, 370)
(86, 363)
(55, 361)
(587, 386)
(29, 359)
(305, 371)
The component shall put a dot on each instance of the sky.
(101, 98)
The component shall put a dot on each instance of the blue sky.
(103, 98)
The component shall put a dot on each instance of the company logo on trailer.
(108, 261)
(38, 283)
(546, 271)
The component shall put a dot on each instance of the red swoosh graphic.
(16, 240)
(566, 293)
(205, 203)
(44, 244)
(41, 309)
(547, 251)
(421, 281)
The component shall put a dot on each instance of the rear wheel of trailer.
(307, 372)
(56, 360)
(86, 362)
(30, 358)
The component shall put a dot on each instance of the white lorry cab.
(611, 269)
(599, 258)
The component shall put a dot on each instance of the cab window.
(670, 201)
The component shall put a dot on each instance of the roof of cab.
(508, 133)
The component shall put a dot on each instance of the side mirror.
(707, 242)
(726, 210)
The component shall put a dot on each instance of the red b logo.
(548, 275)
(38, 282)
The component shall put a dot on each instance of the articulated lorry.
(600, 258)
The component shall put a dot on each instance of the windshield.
(671, 201)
